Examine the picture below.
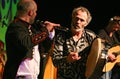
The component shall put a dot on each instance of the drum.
(96, 61)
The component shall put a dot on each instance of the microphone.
(61, 28)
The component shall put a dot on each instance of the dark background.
(59, 11)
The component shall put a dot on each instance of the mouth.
(76, 28)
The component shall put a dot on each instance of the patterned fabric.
(64, 44)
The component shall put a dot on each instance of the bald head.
(24, 6)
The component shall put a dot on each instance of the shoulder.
(90, 32)
(61, 36)
(101, 31)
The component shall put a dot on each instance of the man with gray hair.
(72, 47)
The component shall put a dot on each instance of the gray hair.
(83, 9)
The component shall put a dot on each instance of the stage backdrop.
(7, 13)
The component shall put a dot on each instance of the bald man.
(22, 41)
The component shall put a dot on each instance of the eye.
(82, 20)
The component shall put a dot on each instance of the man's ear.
(30, 13)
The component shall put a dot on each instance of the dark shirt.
(20, 40)
(112, 41)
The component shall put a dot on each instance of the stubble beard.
(77, 29)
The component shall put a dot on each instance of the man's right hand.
(50, 26)
(73, 56)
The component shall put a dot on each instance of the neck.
(26, 19)
(77, 35)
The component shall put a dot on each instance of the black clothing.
(112, 41)
(20, 39)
